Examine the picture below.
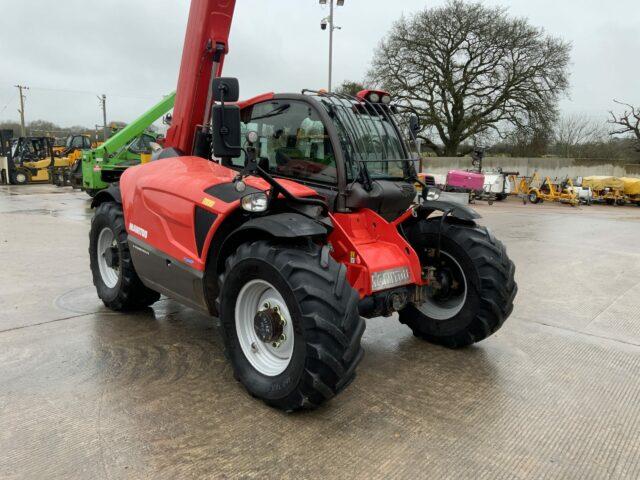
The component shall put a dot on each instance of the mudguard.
(110, 194)
(455, 210)
(287, 226)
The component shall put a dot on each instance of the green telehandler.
(104, 165)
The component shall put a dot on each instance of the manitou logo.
(138, 231)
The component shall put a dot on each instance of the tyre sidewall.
(472, 304)
(104, 219)
(269, 388)
(21, 174)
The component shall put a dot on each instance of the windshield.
(369, 137)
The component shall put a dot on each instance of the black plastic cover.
(226, 131)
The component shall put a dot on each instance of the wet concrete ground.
(85, 393)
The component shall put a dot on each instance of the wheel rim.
(109, 270)
(268, 358)
(449, 306)
(21, 178)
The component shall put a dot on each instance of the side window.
(77, 142)
(293, 141)
(141, 144)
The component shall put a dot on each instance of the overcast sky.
(69, 51)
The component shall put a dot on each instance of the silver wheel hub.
(108, 257)
(264, 327)
(451, 294)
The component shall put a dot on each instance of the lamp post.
(328, 22)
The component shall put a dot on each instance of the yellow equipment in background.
(31, 160)
(60, 171)
(609, 190)
(547, 190)
(632, 189)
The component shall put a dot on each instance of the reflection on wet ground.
(85, 393)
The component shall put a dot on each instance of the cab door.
(293, 143)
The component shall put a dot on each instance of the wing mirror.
(226, 118)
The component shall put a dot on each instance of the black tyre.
(21, 177)
(290, 323)
(501, 197)
(114, 275)
(58, 178)
(474, 289)
(92, 192)
(534, 197)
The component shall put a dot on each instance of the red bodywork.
(160, 198)
(209, 25)
(159, 201)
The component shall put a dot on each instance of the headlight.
(386, 99)
(374, 97)
(432, 194)
(255, 202)
(394, 277)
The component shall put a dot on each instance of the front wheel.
(21, 176)
(472, 284)
(290, 323)
(534, 197)
(114, 275)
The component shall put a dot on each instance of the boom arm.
(136, 127)
(205, 45)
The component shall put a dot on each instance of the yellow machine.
(609, 190)
(632, 189)
(32, 157)
(60, 171)
(547, 190)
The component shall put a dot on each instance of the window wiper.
(274, 112)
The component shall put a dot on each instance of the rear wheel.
(290, 323)
(114, 275)
(473, 285)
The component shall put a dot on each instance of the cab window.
(142, 144)
(293, 141)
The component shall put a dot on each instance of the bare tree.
(574, 130)
(628, 123)
(468, 69)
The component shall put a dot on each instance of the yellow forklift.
(32, 157)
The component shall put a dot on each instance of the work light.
(255, 202)
(374, 97)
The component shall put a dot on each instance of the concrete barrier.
(546, 166)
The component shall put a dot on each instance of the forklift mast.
(205, 46)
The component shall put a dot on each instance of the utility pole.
(328, 22)
(23, 130)
(103, 105)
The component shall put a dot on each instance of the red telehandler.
(291, 217)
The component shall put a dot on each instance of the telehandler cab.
(292, 217)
